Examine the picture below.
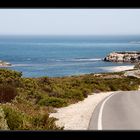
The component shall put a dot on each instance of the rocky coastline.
(126, 56)
(4, 63)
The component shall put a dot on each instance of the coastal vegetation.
(25, 103)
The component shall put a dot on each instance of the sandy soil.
(77, 116)
(122, 68)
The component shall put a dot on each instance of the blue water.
(62, 55)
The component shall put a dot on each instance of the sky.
(69, 21)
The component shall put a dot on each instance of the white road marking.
(101, 112)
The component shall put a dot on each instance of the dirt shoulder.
(77, 116)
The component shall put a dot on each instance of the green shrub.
(10, 77)
(14, 118)
(57, 91)
(86, 91)
(88, 79)
(53, 101)
(3, 122)
(113, 87)
(47, 88)
(44, 80)
(18, 120)
(43, 122)
(10, 73)
(74, 94)
(29, 83)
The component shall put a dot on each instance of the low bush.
(52, 101)
(14, 118)
(10, 73)
(17, 120)
(86, 92)
(3, 122)
(29, 83)
(74, 94)
(43, 122)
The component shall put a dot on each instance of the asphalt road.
(119, 111)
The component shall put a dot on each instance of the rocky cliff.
(133, 57)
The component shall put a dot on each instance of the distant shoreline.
(109, 69)
(119, 68)
(4, 64)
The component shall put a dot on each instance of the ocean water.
(57, 56)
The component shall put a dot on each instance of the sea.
(57, 56)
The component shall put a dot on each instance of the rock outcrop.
(132, 56)
(4, 63)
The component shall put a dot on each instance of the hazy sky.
(70, 21)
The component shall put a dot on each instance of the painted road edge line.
(101, 112)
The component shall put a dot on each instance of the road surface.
(119, 111)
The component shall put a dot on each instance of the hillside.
(27, 102)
